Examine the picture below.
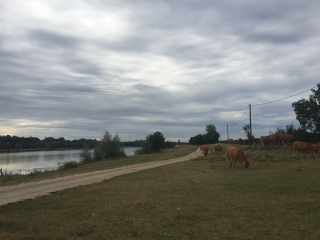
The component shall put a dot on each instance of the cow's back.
(234, 152)
(217, 148)
(298, 146)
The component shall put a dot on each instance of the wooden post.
(227, 132)
(250, 120)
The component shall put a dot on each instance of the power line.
(282, 98)
(241, 117)
(268, 103)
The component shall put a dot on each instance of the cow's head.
(206, 151)
(245, 165)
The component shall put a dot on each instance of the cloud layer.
(75, 69)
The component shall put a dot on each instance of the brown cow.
(236, 154)
(271, 138)
(230, 140)
(240, 141)
(205, 150)
(285, 137)
(305, 147)
(217, 148)
(201, 148)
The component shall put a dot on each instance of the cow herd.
(235, 154)
(276, 138)
(297, 146)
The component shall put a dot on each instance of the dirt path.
(9, 194)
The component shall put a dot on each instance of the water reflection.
(45, 160)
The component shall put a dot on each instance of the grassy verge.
(183, 150)
(277, 198)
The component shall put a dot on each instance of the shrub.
(109, 147)
(85, 155)
(67, 165)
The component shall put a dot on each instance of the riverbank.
(31, 161)
(165, 154)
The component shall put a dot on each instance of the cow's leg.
(234, 162)
(231, 162)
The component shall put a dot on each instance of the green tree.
(308, 111)
(198, 140)
(246, 129)
(154, 142)
(145, 147)
(212, 136)
(109, 147)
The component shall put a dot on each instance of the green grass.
(277, 198)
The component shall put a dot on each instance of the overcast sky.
(75, 68)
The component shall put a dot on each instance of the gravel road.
(10, 194)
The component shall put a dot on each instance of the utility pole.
(220, 136)
(227, 132)
(250, 120)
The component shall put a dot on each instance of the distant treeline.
(18, 143)
(14, 142)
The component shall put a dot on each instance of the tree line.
(19, 143)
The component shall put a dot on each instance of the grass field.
(277, 198)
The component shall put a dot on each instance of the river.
(25, 162)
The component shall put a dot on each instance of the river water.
(26, 162)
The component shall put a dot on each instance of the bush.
(109, 147)
(157, 141)
(153, 143)
(145, 148)
(85, 155)
(97, 153)
(67, 165)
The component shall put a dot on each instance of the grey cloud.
(226, 55)
(82, 66)
(50, 39)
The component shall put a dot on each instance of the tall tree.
(156, 140)
(308, 111)
(212, 136)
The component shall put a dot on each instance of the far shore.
(41, 149)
